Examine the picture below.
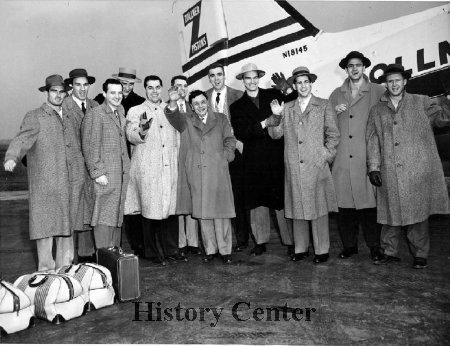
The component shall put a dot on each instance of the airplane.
(277, 38)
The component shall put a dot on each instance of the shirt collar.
(78, 102)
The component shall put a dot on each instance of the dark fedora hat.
(301, 71)
(127, 74)
(392, 69)
(79, 72)
(53, 80)
(354, 55)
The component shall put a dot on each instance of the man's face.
(395, 84)
(182, 87)
(217, 78)
(355, 69)
(153, 91)
(251, 81)
(127, 87)
(114, 95)
(200, 105)
(80, 87)
(303, 86)
(55, 95)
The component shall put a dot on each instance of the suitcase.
(124, 270)
(16, 310)
(96, 282)
(56, 297)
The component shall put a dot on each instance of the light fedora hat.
(302, 71)
(248, 68)
(128, 74)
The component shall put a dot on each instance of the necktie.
(83, 108)
(217, 98)
(182, 109)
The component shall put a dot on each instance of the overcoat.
(204, 184)
(310, 141)
(105, 152)
(401, 144)
(152, 190)
(349, 168)
(81, 184)
(42, 139)
(262, 156)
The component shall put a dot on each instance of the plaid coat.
(42, 137)
(401, 145)
(105, 152)
(81, 184)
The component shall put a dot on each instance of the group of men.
(206, 162)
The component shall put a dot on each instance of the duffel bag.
(56, 297)
(16, 310)
(96, 281)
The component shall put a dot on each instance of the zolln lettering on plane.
(276, 37)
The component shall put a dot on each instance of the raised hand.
(280, 82)
(144, 125)
(277, 109)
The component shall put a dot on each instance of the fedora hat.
(53, 80)
(301, 71)
(79, 72)
(354, 55)
(247, 68)
(392, 69)
(128, 74)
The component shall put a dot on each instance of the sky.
(40, 38)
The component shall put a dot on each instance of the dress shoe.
(348, 252)
(227, 259)
(177, 258)
(183, 251)
(87, 259)
(320, 258)
(194, 250)
(208, 258)
(158, 261)
(385, 259)
(290, 250)
(299, 256)
(240, 247)
(258, 250)
(375, 254)
(420, 263)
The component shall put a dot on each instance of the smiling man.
(108, 164)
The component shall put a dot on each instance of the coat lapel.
(361, 93)
(211, 122)
(111, 114)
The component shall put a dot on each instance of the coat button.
(395, 123)
(396, 144)
(351, 116)
(301, 161)
(203, 151)
(160, 126)
(301, 123)
(351, 156)
(163, 146)
(350, 136)
(300, 142)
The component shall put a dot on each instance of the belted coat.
(310, 141)
(401, 145)
(105, 152)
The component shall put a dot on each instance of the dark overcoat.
(262, 155)
(105, 152)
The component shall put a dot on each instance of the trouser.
(132, 225)
(216, 235)
(417, 234)
(160, 237)
(285, 227)
(188, 231)
(260, 224)
(64, 252)
(242, 226)
(85, 240)
(107, 236)
(349, 220)
(320, 233)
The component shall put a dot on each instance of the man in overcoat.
(74, 109)
(404, 165)
(108, 164)
(311, 135)
(221, 97)
(152, 191)
(204, 184)
(43, 137)
(356, 196)
(262, 155)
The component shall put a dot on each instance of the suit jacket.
(232, 96)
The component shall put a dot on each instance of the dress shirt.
(223, 94)
(304, 103)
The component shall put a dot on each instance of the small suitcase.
(16, 310)
(124, 270)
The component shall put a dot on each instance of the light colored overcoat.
(310, 141)
(152, 190)
(401, 144)
(105, 152)
(204, 184)
(42, 139)
(81, 183)
(349, 168)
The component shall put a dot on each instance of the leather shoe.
(290, 250)
(183, 251)
(194, 250)
(375, 254)
(385, 259)
(299, 256)
(177, 258)
(227, 259)
(258, 250)
(320, 258)
(240, 247)
(208, 258)
(420, 263)
(348, 252)
(87, 259)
